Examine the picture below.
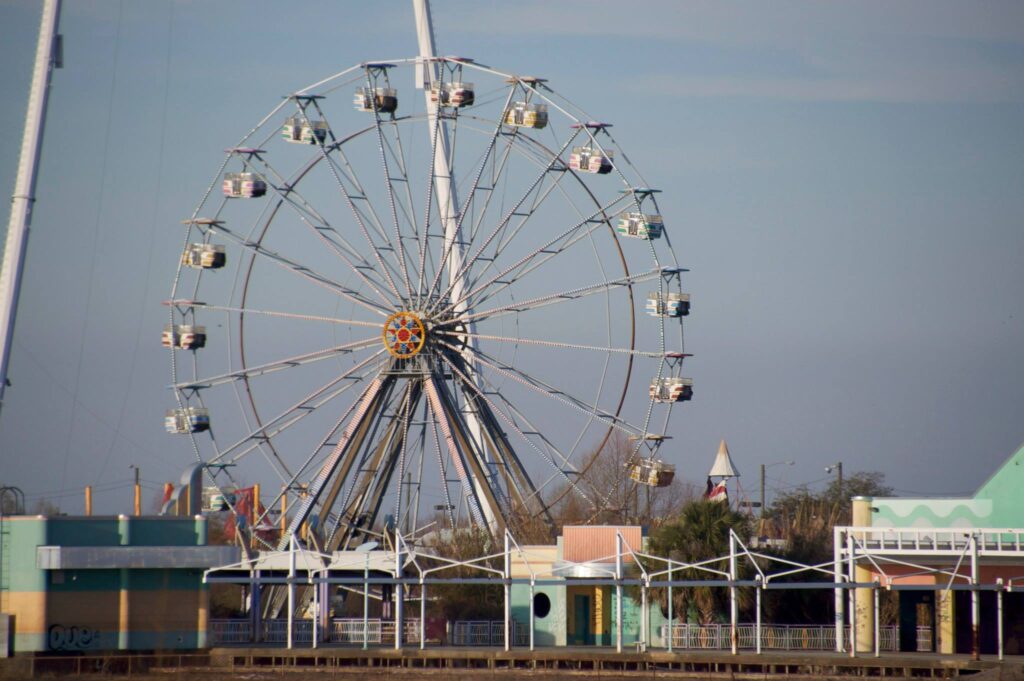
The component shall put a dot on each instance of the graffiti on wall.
(63, 637)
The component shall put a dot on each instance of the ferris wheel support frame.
(48, 57)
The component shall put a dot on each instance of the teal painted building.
(91, 583)
(571, 606)
(997, 503)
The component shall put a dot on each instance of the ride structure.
(401, 316)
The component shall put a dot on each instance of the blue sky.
(843, 179)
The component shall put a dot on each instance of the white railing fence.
(339, 630)
(773, 637)
(487, 633)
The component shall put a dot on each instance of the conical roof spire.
(723, 466)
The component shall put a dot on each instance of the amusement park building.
(958, 546)
(103, 583)
(581, 612)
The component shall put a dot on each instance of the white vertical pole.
(316, 612)
(399, 595)
(733, 602)
(644, 619)
(366, 602)
(851, 593)
(423, 613)
(975, 601)
(757, 615)
(508, 594)
(999, 618)
(25, 185)
(878, 628)
(291, 590)
(618, 592)
(671, 618)
(533, 589)
(837, 576)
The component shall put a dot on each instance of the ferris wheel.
(413, 307)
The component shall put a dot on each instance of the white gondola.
(591, 160)
(653, 472)
(672, 304)
(184, 336)
(453, 94)
(204, 256)
(382, 99)
(672, 389)
(523, 115)
(301, 131)
(216, 501)
(243, 185)
(640, 226)
(187, 420)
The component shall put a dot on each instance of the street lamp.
(838, 468)
(765, 466)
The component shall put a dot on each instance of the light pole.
(764, 467)
(838, 468)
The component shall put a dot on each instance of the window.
(541, 605)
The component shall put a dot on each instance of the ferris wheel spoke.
(475, 394)
(284, 315)
(548, 250)
(464, 210)
(409, 207)
(356, 213)
(297, 412)
(550, 391)
(279, 365)
(303, 271)
(550, 344)
(389, 183)
(561, 297)
(469, 262)
(324, 231)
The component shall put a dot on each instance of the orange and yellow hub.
(404, 334)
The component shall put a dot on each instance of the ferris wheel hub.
(404, 334)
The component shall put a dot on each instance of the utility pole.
(838, 468)
(765, 466)
(48, 57)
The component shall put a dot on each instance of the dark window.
(541, 605)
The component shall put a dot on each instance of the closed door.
(582, 616)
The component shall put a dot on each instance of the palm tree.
(701, 532)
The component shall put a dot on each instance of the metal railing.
(998, 541)
(773, 637)
(339, 630)
(487, 633)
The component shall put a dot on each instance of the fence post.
(975, 601)
(533, 589)
(733, 603)
(671, 622)
(999, 616)
(757, 607)
(399, 595)
(837, 575)
(618, 591)
(878, 630)
(366, 602)
(507, 609)
(291, 589)
(851, 593)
